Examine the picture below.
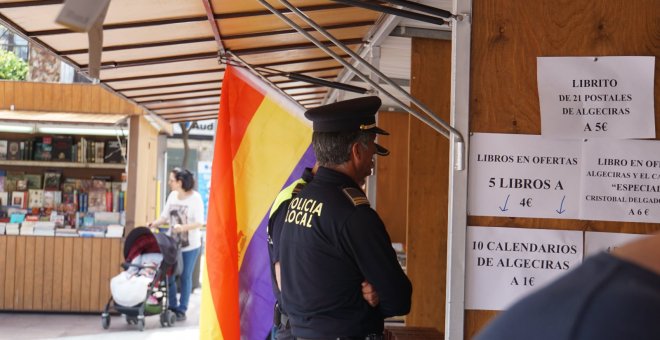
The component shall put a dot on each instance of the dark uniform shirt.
(276, 220)
(331, 242)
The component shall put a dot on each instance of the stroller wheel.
(105, 321)
(163, 319)
(167, 318)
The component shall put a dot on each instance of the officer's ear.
(357, 151)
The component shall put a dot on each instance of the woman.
(184, 211)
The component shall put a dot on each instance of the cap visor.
(377, 130)
(381, 151)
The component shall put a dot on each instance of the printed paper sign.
(620, 180)
(505, 264)
(593, 97)
(523, 176)
(596, 242)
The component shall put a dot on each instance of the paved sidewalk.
(88, 326)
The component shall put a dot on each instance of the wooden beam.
(138, 98)
(186, 20)
(147, 102)
(170, 85)
(188, 114)
(163, 75)
(194, 118)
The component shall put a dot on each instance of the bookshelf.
(48, 164)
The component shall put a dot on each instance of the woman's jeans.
(189, 260)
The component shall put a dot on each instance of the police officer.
(282, 329)
(332, 241)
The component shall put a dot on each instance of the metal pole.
(334, 55)
(375, 37)
(395, 11)
(422, 8)
(457, 212)
(253, 70)
(459, 154)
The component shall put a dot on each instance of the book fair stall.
(67, 174)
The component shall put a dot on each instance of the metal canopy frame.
(460, 70)
(434, 122)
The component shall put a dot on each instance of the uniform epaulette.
(356, 196)
(298, 188)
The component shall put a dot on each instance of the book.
(48, 199)
(43, 149)
(13, 150)
(19, 199)
(91, 231)
(96, 200)
(108, 200)
(82, 202)
(66, 232)
(99, 152)
(36, 198)
(114, 231)
(2, 183)
(12, 229)
(121, 202)
(52, 180)
(17, 218)
(61, 149)
(102, 218)
(3, 149)
(43, 228)
(113, 152)
(21, 184)
(27, 228)
(4, 198)
(34, 181)
(11, 179)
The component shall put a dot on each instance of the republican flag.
(263, 143)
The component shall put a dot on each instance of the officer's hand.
(369, 294)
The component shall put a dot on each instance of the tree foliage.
(12, 67)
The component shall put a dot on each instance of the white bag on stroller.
(129, 288)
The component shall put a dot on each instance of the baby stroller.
(141, 289)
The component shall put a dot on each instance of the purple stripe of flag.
(255, 288)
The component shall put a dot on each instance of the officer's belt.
(280, 318)
(366, 337)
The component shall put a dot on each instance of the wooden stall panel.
(3, 267)
(428, 184)
(391, 190)
(67, 275)
(10, 272)
(107, 261)
(33, 273)
(49, 281)
(95, 273)
(507, 37)
(85, 274)
(19, 274)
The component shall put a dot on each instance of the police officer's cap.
(357, 114)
